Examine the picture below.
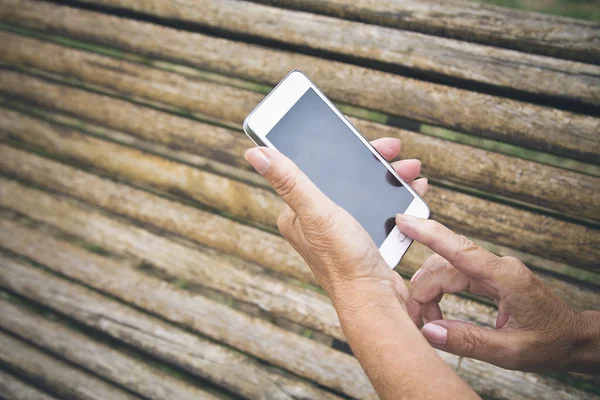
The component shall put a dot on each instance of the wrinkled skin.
(535, 330)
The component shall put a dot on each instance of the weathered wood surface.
(104, 361)
(475, 216)
(221, 365)
(13, 388)
(218, 232)
(442, 58)
(469, 21)
(180, 306)
(297, 354)
(59, 376)
(564, 191)
(516, 122)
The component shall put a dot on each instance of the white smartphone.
(298, 120)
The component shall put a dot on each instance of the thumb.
(468, 340)
(294, 187)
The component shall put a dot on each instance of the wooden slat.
(64, 379)
(427, 54)
(565, 191)
(15, 389)
(221, 233)
(113, 365)
(516, 122)
(221, 365)
(304, 356)
(492, 221)
(470, 21)
(222, 144)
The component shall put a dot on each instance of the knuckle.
(436, 228)
(283, 223)
(433, 260)
(438, 266)
(464, 247)
(320, 223)
(510, 260)
(522, 352)
(518, 270)
(496, 266)
(515, 357)
(285, 184)
(286, 222)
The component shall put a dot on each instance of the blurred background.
(584, 9)
(139, 252)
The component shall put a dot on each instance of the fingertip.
(420, 186)
(249, 151)
(405, 218)
(408, 169)
(388, 147)
(414, 312)
(419, 164)
(416, 161)
(405, 224)
(416, 275)
(413, 164)
(258, 158)
(411, 226)
(435, 334)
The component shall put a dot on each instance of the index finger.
(294, 187)
(461, 252)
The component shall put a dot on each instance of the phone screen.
(338, 162)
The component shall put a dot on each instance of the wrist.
(367, 294)
(584, 343)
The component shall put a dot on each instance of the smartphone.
(298, 120)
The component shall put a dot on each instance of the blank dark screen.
(319, 142)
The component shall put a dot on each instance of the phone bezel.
(279, 101)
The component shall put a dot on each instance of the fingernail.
(416, 276)
(405, 218)
(258, 159)
(435, 334)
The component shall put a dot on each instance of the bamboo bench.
(140, 256)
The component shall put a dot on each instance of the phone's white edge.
(278, 102)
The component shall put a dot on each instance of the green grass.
(582, 9)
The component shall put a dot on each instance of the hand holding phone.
(298, 120)
(339, 251)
